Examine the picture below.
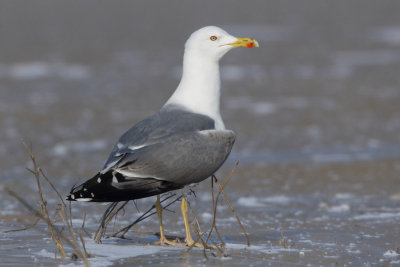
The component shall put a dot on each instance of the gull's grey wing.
(183, 158)
(180, 160)
(169, 121)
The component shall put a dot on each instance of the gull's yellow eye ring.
(213, 38)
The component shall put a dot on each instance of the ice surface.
(391, 254)
(263, 201)
(107, 253)
(389, 35)
(250, 202)
(38, 69)
(377, 216)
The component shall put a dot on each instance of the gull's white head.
(214, 42)
(199, 89)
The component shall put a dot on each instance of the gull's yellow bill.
(245, 42)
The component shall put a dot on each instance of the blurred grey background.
(75, 73)
(316, 108)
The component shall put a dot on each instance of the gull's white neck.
(199, 89)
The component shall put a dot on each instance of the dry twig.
(234, 212)
(283, 241)
(215, 202)
(36, 171)
(214, 226)
(107, 217)
(57, 235)
(24, 228)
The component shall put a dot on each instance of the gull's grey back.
(166, 122)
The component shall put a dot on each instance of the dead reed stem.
(234, 212)
(24, 228)
(215, 203)
(107, 217)
(41, 216)
(57, 235)
(283, 241)
(36, 171)
(214, 226)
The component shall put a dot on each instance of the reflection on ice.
(389, 35)
(38, 70)
(346, 62)
(62, 149)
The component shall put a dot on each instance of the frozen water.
(315, 110)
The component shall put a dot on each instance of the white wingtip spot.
(73, 196)
(92, 194)
(99, 180)
(85, 189)
(84, 199)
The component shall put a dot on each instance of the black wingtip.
(84, 192)
(70, 197)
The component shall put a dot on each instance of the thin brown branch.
(87, 255)
(215, 203)
(187, 251)
(83, 225)
(214, 225)
(37, 219)
(41, 216)
(205, 243)
(52, 186)
(74, 243)
(234, 212)
(107, 217)
(36, 172)
(57, 234)
(199, 237)
(283, 241)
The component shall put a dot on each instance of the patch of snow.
(390, 254)
(261, 202)
(250, 202)
(206, 216)
(37, 69)
(346, 62)
(370, 216)
(339, 208)
(344, 196)
(107, 253)
(264, 249)
(254, 107)
(236, 73)
(278, 199)
(395, 196)
(262, 108)
(44, 253)
(334, 157)
(389, 35)
(62, 149)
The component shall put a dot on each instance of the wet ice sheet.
(315, 109)
(331, 213)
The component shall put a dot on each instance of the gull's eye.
(213, 38)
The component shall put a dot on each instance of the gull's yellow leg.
(163, 239)
(184, 209)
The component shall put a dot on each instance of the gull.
(182, 144)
